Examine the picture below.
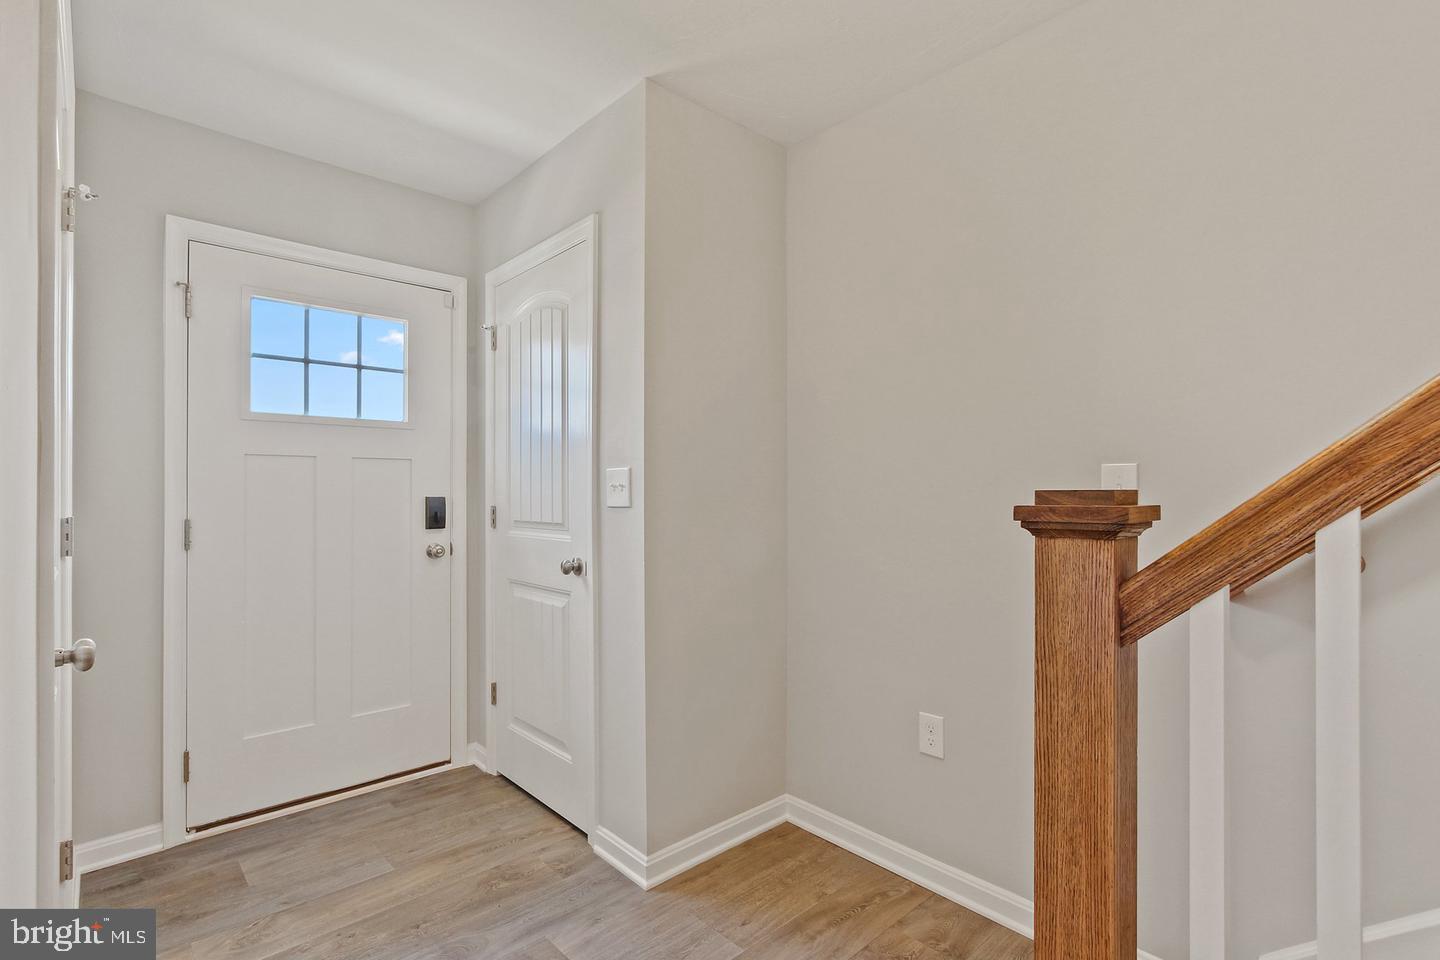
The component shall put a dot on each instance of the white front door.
(541, 577)
(318, 581)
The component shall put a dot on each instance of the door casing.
(179, 232)
(586, 229)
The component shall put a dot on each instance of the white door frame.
(179, 232)
(586, 229)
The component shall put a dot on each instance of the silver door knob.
(436, 551)
(81, 656)
(576, 566)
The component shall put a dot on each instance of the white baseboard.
(1005, 908)
(620, 855)
(648, 870)
(478, 757)
(1415, 922)
(995, 903)
(108, 851)
(981, 896)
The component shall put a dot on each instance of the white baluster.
(1209, 636)
(1337, 740)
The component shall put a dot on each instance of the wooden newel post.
(1085, 722)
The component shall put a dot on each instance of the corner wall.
(715, 447)
(1200, 237)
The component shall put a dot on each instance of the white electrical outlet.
(1119, 476)
(932, 735)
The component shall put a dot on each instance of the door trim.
(578, 233)
(179, 232)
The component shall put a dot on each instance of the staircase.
(1092, 607)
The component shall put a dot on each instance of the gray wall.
(715, 449)
(146, 166)
(1199, 236)
(23, 798)
(599, 168)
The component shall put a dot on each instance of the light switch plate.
(1119, 476)
(617, 487)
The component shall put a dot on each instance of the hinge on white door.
(187, 533)
(492, 518)
(189, 298)
(68, 205)
(449, 301)
(67, 536)
(186, 766)
(494, 339)
(67, 860)
(494, 693)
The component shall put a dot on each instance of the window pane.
(382, 395)
(277, 386)
(382, 343)
(333, 336)
(332, 390)
(277, 328)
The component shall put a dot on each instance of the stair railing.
(1091, 606)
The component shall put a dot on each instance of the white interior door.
(318, 598)
(541, 577)
(56, 463)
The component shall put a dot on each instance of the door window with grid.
(308, 361)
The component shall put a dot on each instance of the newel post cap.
(1089, 514)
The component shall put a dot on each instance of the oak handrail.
(1369, 469)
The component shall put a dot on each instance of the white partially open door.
(541, 576)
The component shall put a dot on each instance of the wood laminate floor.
(462, 865)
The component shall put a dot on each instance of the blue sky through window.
(277, 386)
(382, 343)
(334, 336)
(382, 395)
(277, 328)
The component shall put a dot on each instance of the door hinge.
(449, 300)
(185, 765)
(492, 518)
(494, 693)
(494, 339)
(69, 208)
(189, 298)
(67, 860)
(67, 537)
(187, 533)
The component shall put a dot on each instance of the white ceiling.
(457, 96)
